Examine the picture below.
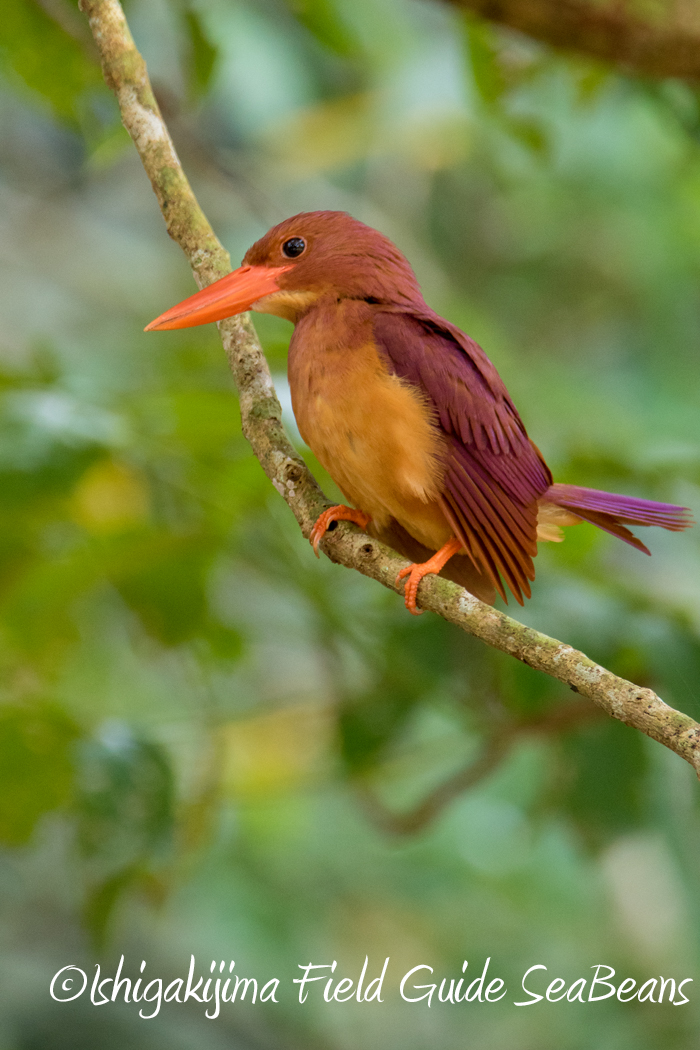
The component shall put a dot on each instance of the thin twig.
(497, 745)
(125, 72)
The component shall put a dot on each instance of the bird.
(407, 413)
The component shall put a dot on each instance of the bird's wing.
(460, 569)
(494, 475)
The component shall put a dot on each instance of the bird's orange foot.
(418, 570)
(330, 517)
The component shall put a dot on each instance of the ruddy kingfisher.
(406, 412)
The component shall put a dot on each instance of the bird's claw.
(332, 515)
(415, 572)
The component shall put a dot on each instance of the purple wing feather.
(494, 475)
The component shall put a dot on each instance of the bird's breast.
(373, 432)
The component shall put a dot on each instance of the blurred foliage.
(201, 53)
(205, 733)
(125, 815)
(37, 772)
(39, 39)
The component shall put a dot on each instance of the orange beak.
(233, 294)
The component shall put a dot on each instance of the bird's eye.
(293, 247)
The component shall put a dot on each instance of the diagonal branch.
(125, 72)
(495, 748)
(657, 40)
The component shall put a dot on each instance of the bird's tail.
(612, 512)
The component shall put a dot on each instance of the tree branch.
(642, 39)
(125, 72)
(495, 748)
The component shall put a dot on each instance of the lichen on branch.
(125, 72)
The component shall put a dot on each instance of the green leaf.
(202, 55)
(169, 592)
(36, 771)
(323, 20)
(101, 901)
(53, 56)
(367, 726)
(530, 133)
(417, 661)
(605, 768)
(124, 800)
(485, 66)
(224, 643)
(494, 81)
(125, 817)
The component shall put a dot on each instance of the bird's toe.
(332, 515)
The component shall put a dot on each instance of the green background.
(207, 737)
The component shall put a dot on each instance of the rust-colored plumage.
(406, 412)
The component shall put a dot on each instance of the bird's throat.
(287, 304)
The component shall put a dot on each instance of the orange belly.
(373, 432)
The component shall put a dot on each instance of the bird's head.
(312, 256)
